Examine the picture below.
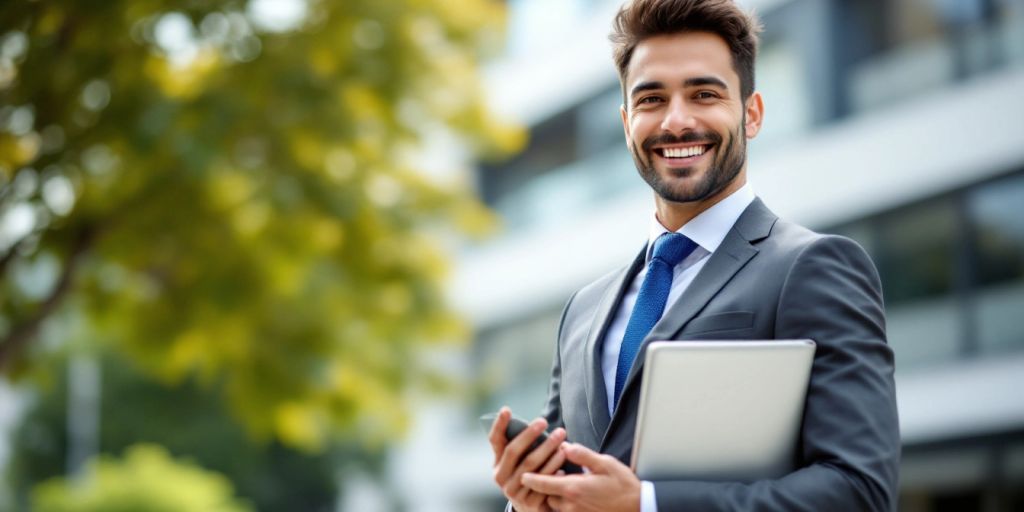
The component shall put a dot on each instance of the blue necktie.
(669, 250)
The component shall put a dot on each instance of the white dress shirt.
(707, 230)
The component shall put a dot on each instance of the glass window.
(925, 331)
(915, 21)
(996, 212)
(935, 471)
(917, 248)
(782, 80)
(1014, 476)
(947, 261)
(916, 255)
(552, 144)
(514, 364)
(598, 123)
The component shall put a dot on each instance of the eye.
(648, 99)
(706, 95)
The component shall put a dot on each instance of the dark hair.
(640, 19)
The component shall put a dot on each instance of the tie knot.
(672, 248)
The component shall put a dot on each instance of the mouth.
(682, 155)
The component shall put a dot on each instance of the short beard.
(729, 161)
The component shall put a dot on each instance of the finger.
(497, 434)
(554, 464)
(535, 459)
(584, 456)
(548, 484)
(523, 495)
(542, 453)
(514, 451)
(518, 447)
(533, 500)
(554, 502)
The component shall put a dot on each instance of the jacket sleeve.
(552, 411)
(849, 444)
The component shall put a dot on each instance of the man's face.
(685, 122)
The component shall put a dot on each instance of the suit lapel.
(735, 251)
(597, 396)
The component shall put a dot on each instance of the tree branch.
(23, 333)
(12, 251)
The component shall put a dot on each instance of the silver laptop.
(721, 410)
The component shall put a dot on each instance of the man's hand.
(608, 486)
(510, 463)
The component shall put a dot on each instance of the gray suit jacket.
(769, 279)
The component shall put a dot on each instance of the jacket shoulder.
(794, 239)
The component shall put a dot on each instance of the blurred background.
(280, 254)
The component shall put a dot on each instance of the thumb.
(584, 456)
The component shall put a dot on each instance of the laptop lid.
(721, 410)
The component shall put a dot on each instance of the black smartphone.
(517, 426)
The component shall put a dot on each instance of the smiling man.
(718, 264)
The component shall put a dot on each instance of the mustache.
(686, 138)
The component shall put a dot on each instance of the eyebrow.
(645, 86)
(705, 80)
(689, 82)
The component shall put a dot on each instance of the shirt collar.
(710, 227)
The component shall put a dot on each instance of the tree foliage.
(146, 480)
(190, 423)
(240, 197)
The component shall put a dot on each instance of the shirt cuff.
(647, 501)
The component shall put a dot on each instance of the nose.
(678, 118)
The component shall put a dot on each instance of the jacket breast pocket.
(719, 322)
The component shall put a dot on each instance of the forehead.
(675, 57)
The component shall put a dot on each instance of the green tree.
(146, 480)
(189, 422)
(239, 196)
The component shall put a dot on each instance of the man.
(718, 265)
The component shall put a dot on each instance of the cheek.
(641, 125)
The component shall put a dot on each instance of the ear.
(625, 123)
(755, 114)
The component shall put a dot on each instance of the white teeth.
(683, 152)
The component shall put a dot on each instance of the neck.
(675, 215)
